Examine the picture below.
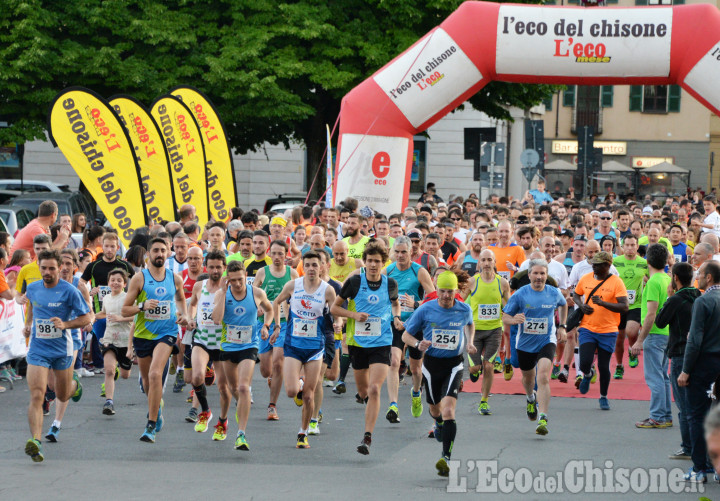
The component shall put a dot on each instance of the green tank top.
(486, 303)
(273, 286)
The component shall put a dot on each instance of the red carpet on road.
(631, 387)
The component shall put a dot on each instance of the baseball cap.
(647, 210)
(413, 234)
(567, 233)
(602, 258)
(366, 212)
(580, 238)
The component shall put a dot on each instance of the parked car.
(285, 201)
(15, 218)
(32, 185)
(68, 203)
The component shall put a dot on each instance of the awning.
(615, 166)
(560, 165)
(667, 168)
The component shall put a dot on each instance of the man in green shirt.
(355, 239)
(633, 270)
(653, 340)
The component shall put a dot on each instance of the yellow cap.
(447, 280)
(279, 220)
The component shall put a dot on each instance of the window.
(606, 100)
(548, 102)
(569, 96)
(655, 98)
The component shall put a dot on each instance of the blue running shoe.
(52, 434)
(149, 435)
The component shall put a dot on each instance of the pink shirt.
(24, 239)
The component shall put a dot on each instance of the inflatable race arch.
(481, 42)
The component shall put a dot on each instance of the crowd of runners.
(553, 289)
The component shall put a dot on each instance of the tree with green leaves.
(275, 70)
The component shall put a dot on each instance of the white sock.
(576, 359)
(531, 398)
(56, 423)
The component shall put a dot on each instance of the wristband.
(417, 344)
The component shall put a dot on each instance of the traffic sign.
(529, 172)
(529, 158)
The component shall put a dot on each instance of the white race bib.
(238, 334)
(678, 258)
(45, 329)
(488, 311)
(103, 290)
(631, 297)
(205, 316)
(368, 328)
(535, 326)
(249, 281)
(504, 274)
(445, 339)
(160, 312)
(304, 328)
(406, 309)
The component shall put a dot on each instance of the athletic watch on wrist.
(562, 325)
(141, 306)
(417, 344)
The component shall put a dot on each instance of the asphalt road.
(100, 457)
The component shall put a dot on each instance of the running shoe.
(593, 378)
(108, 408)
(302, 442)
(160, 420)
(393, 414)
(179, 382)
(431, 433)
(666, 424)
(692, 476)
(102, 390)
(52, 434)
(542, 428)
(190, 397)
(173, 368)
(555, 371)
(272, 414)
(320, 415)
(117, 373)
(680, 454)
(33, 448)
(299, 399)
(241, 443)
(202, 424)
(192, 416)
(498, 365)
(46, 406)
(604, 403)
(563, 376)
(364, 447)
(360, 400)
(148, 435)
(484, 408)
(15, 376)
(633, 360)
(508, 371)
(438, 431)
(584, 385)
(417, 406)
(209, 376)
(619, 372)
(327, 383)
(314, 429)
(532, 411)
(649, 423)
(475, 376)
(339, 388)
(578, 380)
(443, 469)
(78, 393)
(220, 432)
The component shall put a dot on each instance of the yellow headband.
(447, 280)
(279, 220)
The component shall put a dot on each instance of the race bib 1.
(160, 312)
(304, 328)
(445, 339)
(535, 326)
(488, 311)
(45, 329)
(368, 328)
(631, 297)
(238, 334)
(205, 316)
